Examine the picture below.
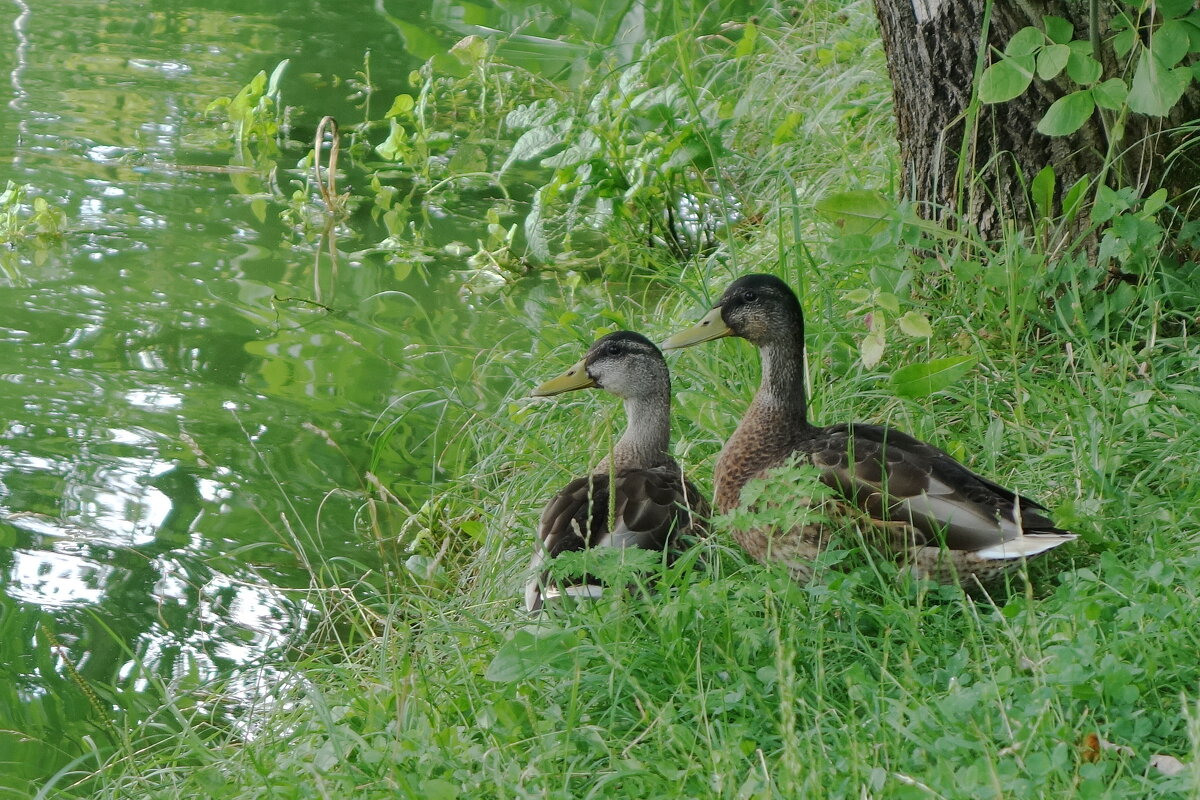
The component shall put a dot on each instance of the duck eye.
(750, 296)
(613, 349)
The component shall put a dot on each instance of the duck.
(940, 519)
(653, 505)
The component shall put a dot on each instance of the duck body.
(635, 497)
(942, 520)
(653, 509)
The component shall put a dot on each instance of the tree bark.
(976, 167)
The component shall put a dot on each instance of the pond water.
(190, 393)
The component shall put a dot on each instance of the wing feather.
(894, 477)
(652, 508)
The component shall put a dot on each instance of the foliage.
(256, 116)
(22, 219)
(1112, 234)
(630, 154)
(640, 156)
(1151, 40)
(30, 229)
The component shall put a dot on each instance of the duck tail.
(1025, 546)
(538, 597)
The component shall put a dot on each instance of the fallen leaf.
(1116, 748)
(1167, 765)
(1093, 746)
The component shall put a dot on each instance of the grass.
(728, 681)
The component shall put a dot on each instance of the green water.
(190, 393)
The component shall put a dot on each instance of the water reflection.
(141, 542)
(56, 580)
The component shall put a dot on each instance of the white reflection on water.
(56, 580)
(168, 67)
(212, 491)
(158, 398)
(237, 621)
(116, 506)
(247, 619)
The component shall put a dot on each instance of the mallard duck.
(652, 504)
(943, 520)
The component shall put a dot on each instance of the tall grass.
(728, 681)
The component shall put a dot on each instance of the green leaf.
(1108, 204)
(746, 45)
(396, 143)
(1170, 9)
(276, 77)
(1006, 79)
(966, 270)
(470, 50)
(921, 380)
(1082, 68)
(998, 276)
(533, 143)
(1067, 114)
(1154, 203)
(247, 97)
(861, 211)
(1042, 189)
(888, 302)
(871, 349)
(525, 654)
(1074, 197)
(469, 157)
(535, 225)
(438, 789)
(1155, 88)
(539, 112)
(1058, 30)
(1170, 42)
(1051, 60)
(401, 105)
(1025, 42)
(858, 296)
(689, 149)
(786, 130)
(418, 39)
(1123, 42)
(1110, 94)
(580, 150)
(1191, 24)
(915, 324)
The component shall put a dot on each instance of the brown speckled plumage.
(941, 520)
(653, 506)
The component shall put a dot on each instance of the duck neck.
(647, 436)
(781, 395)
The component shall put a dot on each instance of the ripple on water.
(57, 580)
(130, 497)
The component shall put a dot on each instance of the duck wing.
(895, 477)
(651, 508)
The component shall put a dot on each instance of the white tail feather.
(586, 591)
(1027, 546)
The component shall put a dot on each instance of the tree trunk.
(978, 167)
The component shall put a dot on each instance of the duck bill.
(707, 329)
(574, 378)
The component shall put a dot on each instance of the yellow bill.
(707, 329)
(574, 378)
